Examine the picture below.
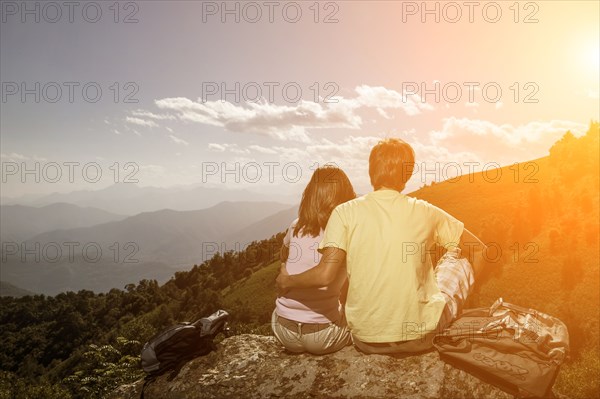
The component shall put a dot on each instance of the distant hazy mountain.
(170, 236)
(18, 222)
(7, 289)
(26, 199)
(54, 278)
(130, 199)
(148, 245)
(262, 229)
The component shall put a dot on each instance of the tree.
(535, 212)
(106, 367)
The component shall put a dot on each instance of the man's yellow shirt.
(387, 237)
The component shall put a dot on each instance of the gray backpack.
(171, 348)
(519, 350)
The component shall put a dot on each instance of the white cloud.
(290, 122)
(263, 150)
(147, 114)
(15, 156)
(233, 148)
(384, 114)
(177, 140)
(352, 149)
(380, 98)
(140, 122)
(236, 150)
(216, 147)
(279, 121)
(351, 154)
(457, 142)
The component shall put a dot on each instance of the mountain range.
(107, 255)
(21, 222)
(131, 199)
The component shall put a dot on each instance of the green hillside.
(547, 228)
(253, 298)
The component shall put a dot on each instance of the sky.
(255, 95)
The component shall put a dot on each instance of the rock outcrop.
(254, 366)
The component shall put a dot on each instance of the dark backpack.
(519, 350)
(171, 348)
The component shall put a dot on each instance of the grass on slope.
(252, 299)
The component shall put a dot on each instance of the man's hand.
(282, 281)
(472, 249)
(332, 263)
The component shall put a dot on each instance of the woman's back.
(309, 305)
(312, 320)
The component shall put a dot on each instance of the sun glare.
(587, 54)
(594, 56)
(590, 55)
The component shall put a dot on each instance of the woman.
(312, 320)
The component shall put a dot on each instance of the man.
(396, 301)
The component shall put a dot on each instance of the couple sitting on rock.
(359, 270)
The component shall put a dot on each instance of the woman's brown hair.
(328, 187)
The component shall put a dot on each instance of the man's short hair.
(391, 164)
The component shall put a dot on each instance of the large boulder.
(255, 366)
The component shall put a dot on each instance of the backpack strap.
(149, 379)
(174, 366)
(501, 304)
